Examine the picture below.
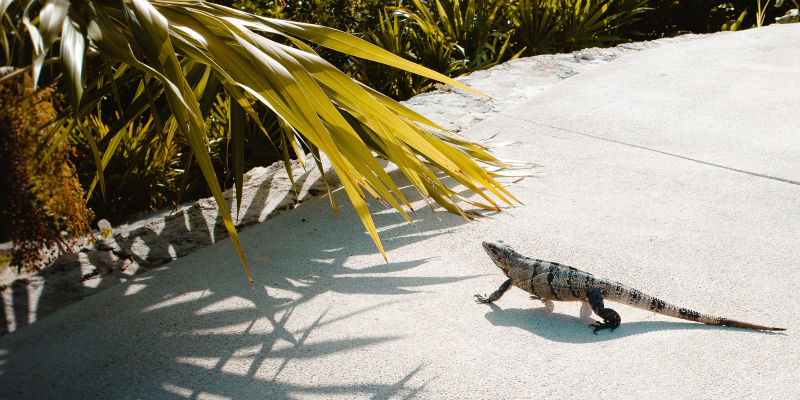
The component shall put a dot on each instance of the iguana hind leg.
(548, 304)
(497, 293)
(586, 311)
(610, 317)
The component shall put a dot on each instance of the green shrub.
(554, 26)
(666, 18)
(41, 204)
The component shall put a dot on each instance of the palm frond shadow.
(213, 342)
(200, 226)
(229, 339)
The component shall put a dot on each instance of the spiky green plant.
(550, 26)
(536, 25)
(474, 27)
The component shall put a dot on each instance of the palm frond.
(186, 52)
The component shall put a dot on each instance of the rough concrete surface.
(674, 170)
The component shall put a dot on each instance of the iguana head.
(500, 253)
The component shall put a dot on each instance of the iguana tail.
(620, 293)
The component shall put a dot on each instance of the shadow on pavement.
(572, 329)
(157, 242)
(226, 340)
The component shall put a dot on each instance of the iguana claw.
(605, 325)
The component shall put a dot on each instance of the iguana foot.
(481, 299)
(610, 317)
(496, 295)
(605, 325)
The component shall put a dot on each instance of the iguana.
(547, 281)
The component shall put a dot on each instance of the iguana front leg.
(497, 293)
(610, 317)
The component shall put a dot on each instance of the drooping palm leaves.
(189, 51)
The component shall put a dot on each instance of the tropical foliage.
(187, 53)
(41, 204)
(676, 17)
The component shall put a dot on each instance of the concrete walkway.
(675, 170)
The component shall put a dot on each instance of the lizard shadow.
(566, 328)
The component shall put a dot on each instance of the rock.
(792, 16)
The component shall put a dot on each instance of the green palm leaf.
(194, 49)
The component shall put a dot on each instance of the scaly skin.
(551, 281)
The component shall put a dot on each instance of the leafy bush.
(42, 202)
(150, 171)
(553, 26)
(667, 18)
